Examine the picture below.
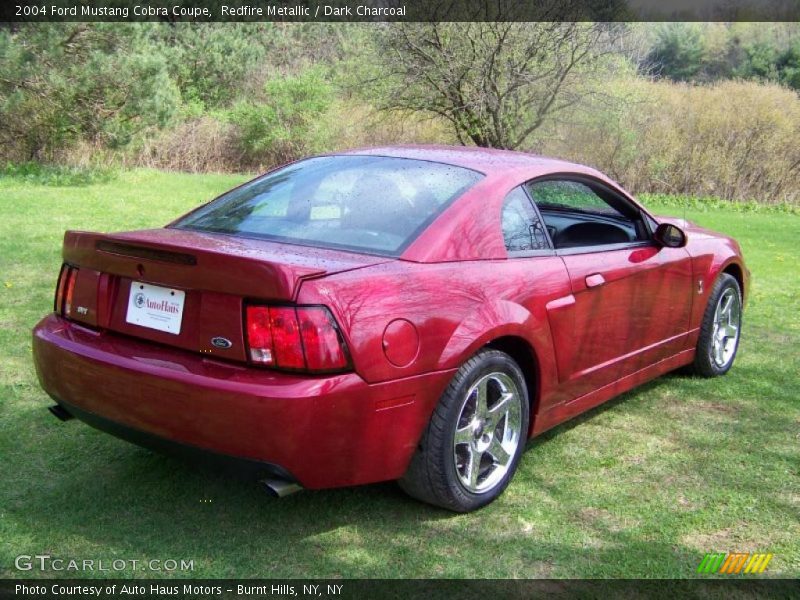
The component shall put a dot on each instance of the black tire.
(704, 363)
(433, 474)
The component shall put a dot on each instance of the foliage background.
(708, 109)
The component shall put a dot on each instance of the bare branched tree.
(496, 83)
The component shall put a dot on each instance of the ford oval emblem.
(221, 342)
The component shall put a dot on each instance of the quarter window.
(522, 228)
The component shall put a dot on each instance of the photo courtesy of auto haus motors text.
(168, 590)
(365, 298)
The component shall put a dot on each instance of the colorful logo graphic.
(734, 563)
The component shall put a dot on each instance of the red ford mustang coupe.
(410, 313)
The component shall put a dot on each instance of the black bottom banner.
(401, 589)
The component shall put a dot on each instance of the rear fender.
(499, 320)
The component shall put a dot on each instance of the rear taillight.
(321, 341)
(303, 338)
(286, 338)
(65, 290)
(259, 336)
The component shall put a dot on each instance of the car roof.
(489, 161)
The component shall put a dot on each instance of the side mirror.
(670, 235)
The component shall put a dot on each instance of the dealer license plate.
(155, 307)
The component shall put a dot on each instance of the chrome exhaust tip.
(279, 488)
(60, 412)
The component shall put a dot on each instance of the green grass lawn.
(640, 487)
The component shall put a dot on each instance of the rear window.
(364, 203)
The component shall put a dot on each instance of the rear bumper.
(249, 468)
(319, 431)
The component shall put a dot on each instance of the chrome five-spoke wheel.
(720, 329)
(725, 333)
(475, 438)
(487, 432)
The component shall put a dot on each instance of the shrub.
(198, 144)
(208, 143)
(290, 120)
(733, 140)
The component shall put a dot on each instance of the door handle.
(594, 280)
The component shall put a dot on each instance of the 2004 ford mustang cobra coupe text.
(411, 313)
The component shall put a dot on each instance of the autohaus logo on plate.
(167, 306)
(163, 305)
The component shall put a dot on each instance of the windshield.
(370, 203)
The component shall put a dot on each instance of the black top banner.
(204, 11)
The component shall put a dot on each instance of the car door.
(631, 298)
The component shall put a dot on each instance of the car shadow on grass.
(84, 489)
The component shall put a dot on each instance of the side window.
(522, 229)
(576, 214)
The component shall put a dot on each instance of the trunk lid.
(209, 274)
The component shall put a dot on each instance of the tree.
(760, 62)
(61, 83)
(789, 66)
(679, 51)
(211, 65)
(496, 83)
(285, 125)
